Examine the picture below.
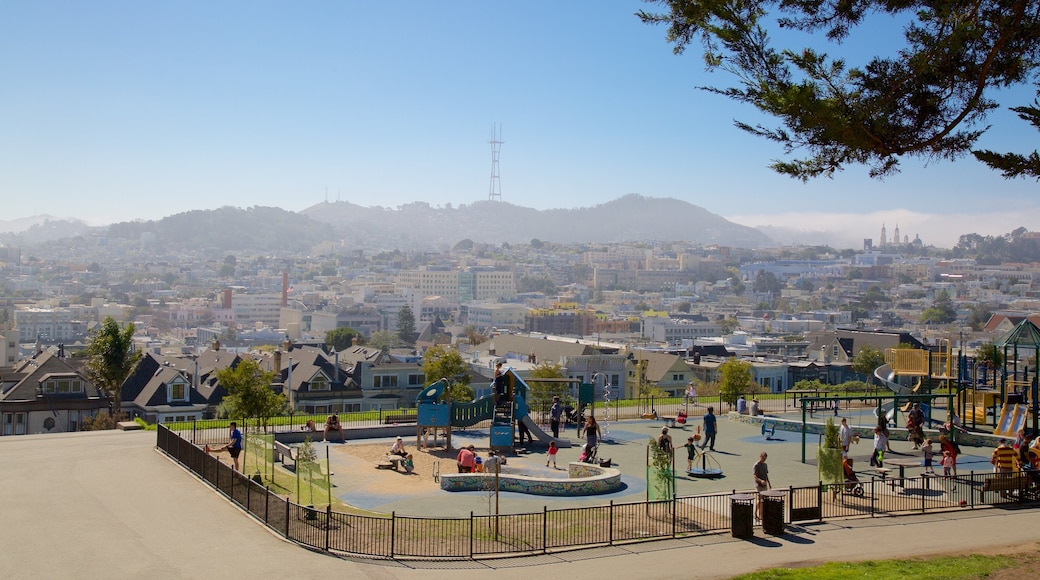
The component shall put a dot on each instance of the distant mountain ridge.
(629, 218)
(415, 226)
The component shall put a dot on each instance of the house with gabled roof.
(47, 394)
(656, 369)
(162, 389)
(385, 381)
(315, 382)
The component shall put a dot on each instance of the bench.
(281, 451)
(1003, 483)
(393, 419)
(390, 462)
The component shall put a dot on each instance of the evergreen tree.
(406, 325)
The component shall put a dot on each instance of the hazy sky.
(114, 111)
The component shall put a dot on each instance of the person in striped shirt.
(1003, 458)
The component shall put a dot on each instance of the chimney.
(227, 299)
(216, 345)
(277, 362)
(356, 340)
(285, 288)
(491, 348)
(336, 358)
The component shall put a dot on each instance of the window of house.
(63, 387)
(319, 383)
(678, 377)
(352, 408)
(384, 381)
(416, 380)
(177, 392)
(50, 387)
(834, 351)
(76, 386)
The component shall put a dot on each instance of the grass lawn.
(940, 568)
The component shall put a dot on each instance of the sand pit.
(365, 456)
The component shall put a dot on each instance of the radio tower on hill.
(495, 190)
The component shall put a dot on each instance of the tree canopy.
(734, 379)
(941, 311)
(249, 392)
(340, 338)
(928, 99)
(541, 392)
(867, 359)
(111, 357)
(444, 362)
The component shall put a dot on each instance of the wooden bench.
(393, 419)
(390, 462)
(282, 451)
(1004, 482)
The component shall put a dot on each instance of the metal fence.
(481, 536)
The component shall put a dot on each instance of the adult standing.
(741, 405)
(845, 437)
(592, 434)
(1003, 458)
(234, 444)
(691, 394)
(555, 413)
(761, 473)
(710, 429)
(664, 440)
(523, 432)
(466, 459)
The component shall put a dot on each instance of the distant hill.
(414, 226)
(39, 229)
(630, 218)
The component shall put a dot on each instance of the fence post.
(471, 535)
(328, 525)
(287, 517)
(610, 534)
(819, 498)
(971, 488)
(267, 505)
(393, 529)
(545, 529)
(873, 495)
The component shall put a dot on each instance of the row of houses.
(50, 393)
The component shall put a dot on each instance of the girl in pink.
(552, 454)
(947, 463)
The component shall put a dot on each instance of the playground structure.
(504, 407)
(1003, 398)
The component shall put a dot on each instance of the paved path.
(107, 505)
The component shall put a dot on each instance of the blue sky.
(114, 111)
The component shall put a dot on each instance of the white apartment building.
(470, 284)
(252, 308)
(497, 315)
(49, 324)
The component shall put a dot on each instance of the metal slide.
(889, 379)
(523, 415)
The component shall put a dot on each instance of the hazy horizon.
(118, 110)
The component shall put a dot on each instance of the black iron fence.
(478, 536)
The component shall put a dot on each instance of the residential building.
(47, 394)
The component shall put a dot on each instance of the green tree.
(734, 379)
(250, 395)
(980, 315)
(406, 325)
(445, 362)
(941, 311)
(1012, 165)
(542, 392)
(928, 98)
(767, 282)
(867, 359)
(340, 338)
(110, 359)
(990, 355)
(384, 340)
(729, 325)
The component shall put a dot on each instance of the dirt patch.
(390, 482)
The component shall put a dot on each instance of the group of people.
(744, 409)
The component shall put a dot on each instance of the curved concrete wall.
(582, 479)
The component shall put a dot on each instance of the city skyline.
(119, 111)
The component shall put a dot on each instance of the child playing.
(479, 466)
(691, 452)
(928, 452)
(408, 464)
(552, 454)
(947, 463)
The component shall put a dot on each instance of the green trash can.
(742, 515)
(773, 512)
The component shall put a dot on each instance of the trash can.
(742, 514)
(773, 512)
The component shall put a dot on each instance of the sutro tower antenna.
(495, 190)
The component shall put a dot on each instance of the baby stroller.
(852, 483)
(588, 454)
(570, 415)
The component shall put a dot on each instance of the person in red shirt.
(466, 459)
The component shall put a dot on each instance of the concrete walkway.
(106, 505)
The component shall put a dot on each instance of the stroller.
(588, 454)
(570, 415)
(852, 483)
